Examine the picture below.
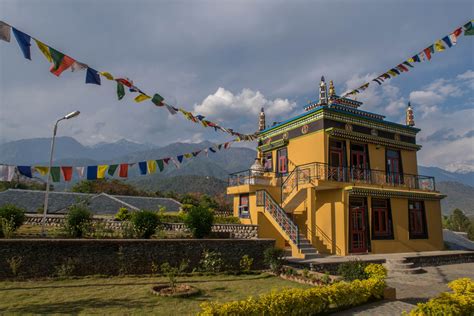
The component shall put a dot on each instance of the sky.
(227, 59)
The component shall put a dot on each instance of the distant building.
(339, 180)
(100, 204)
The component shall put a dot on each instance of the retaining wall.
(43, 257)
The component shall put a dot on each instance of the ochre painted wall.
(409, 162)
(377, 157)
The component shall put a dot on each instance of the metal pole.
(45, 210)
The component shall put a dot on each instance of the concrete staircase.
(402, 266)
(307, 249)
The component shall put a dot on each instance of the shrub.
(246, 263)
(172, 273)
(211, 261)
(199, 220)
(66, 269)
(460, 302)
(127, 230)
(78, 220)
(273, 258)
(352, 270)
(11, 218)
(312, 301)
(373, 270)
(123, 214)
(14, 263)
(145, 223)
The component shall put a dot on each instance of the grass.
(128, 295)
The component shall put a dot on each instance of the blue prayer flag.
(25, 170)
(91, 172)
(24, 41)
(143, 167)
(180, 158)
(92, 76)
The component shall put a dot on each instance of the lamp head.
(72, 114)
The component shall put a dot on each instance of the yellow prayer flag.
(188, 155)
(42, 170)
(439, 47)
(107, 75)
(411, 60)
(45, 50)
(203, 123)
(101, 169)
(151, 164)
(141, 97)
(393, 73)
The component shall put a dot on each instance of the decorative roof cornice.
(294, 123)
(387, 193)
(337, 132)
(274, 145)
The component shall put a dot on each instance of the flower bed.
(313, 301)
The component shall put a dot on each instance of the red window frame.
(282, 155)
(417, 220)
(268, 165)
(381, 219)
(244, 206)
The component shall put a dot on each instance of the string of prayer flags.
(61, 62)
(5, 31)
(425, 55)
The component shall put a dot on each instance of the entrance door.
(336, 161)
(358, 163)
(357, 227)
(394, 175)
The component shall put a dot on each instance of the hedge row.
(313, 301)
(460, 302)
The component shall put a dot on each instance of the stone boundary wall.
(428, 261)
(42, 257)
(238, 231)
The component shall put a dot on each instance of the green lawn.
(127, 295)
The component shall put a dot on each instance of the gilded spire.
(261, 120)
(410, 117)
(332, 91)
(323, 92)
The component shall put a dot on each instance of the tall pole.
(48, 180)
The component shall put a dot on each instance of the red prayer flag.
(123, 172)
(402, 68)
(457, 32)
(67, 173)
(65, 64)
(125, 82)
(428, 52)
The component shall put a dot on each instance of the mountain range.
(209, 174)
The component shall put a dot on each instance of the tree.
(199, 220)
(458, 221)
(114, 187)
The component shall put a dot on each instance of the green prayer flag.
(56, 174)
(468, 29)
(157, 99)
(120, 90)
(57, 57)
(161, 165)
(112, 169)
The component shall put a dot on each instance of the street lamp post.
(45, 209)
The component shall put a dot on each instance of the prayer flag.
(468, 29)
(157, 99)
(408, 64)
(176, 164)
(227, 145)
(171, 109)
(120, 91)
(180, 158)
(411, 59)
(67, 173)
(454, 35)
(447, 41)
(24, 41)
(143, 167)
(416, 58)
(402, 68)
(126, 82)
(56, 174)
(439, 47)
(188, 155)
(141, 97)
(112, 169)
(92, 76)
(101, 169)
(5, 32)
(80, 171)
(77, 66)
(42, 170)
(386, 76)
(56, 56)
(25, 170)
(66, 62)
(166, 160)
(161, 166)
(91, 172)
(151, 165)
(123, 172)
(378, 81)
(195, 153)
(212, 149)
(7, 173)
(427, 52)
(219, 147)
(107, 75)
(45, 50)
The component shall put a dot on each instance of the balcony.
(320, 171)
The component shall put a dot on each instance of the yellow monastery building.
(339, 180)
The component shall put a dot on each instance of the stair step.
(312, 256)
(405, 265)
(309, 250)
(416, 270)
(396, 261)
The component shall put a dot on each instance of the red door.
(357, 229)
(336, 161)
(393, 167)
(359, 165)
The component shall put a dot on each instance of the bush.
(78, 220)
(352, 270)
(145, 223)
(211, 261)
(123, 214)
(460, 302)
(273, 258)
(313, 301)
(199, 220)
(11, 217)
(246, 263)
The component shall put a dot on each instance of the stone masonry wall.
(42, 257)
(238, 231)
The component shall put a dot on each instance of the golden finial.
(332, 91)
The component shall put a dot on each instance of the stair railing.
(280, 216)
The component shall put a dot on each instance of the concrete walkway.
(413, 289)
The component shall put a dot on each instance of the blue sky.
(226, 59)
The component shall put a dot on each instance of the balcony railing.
(250, 177)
